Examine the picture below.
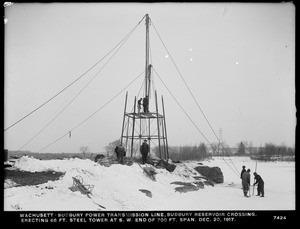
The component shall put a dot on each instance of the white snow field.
(117, 187)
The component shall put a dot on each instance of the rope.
(191, 119)
(192, 95)
(73, 81)
(93, 113)
(185, 83)
(76, 96)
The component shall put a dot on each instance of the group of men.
(245, 176)
(121, 152)
(144, 148)
(145, 104)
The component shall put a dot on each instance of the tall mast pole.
(147, 72)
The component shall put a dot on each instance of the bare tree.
(251, 149)
(241, 149)
(84, 150)
(214, 148)
(110, 148)
(203, 151)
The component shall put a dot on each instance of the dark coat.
(244, 170)
(258, 179)
(120, 151)
(246, 178)
(145, 101)
(144, 149)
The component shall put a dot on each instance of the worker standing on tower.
(146, 104)
(139, 105)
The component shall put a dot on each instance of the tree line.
(180, 153)
(269, 149)
(201, 151)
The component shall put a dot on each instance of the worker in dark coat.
(246, 182)
(146, 104)
(121, 152)
(260, 184)
(144, 149)
(243, 170)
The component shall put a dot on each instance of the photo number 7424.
(279, 217)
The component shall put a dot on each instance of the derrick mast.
(146, 124)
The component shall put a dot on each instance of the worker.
(139, 105)
(121, 152)
(243, 170)
(146, 104)
(260, 185)
(144, 149)
(246, 182)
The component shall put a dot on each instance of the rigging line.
(181, 106)
(185, 83)
(191, 119)
(94, 112)
(73, 81)
(191, 93)
(76, 96)
(224, 151)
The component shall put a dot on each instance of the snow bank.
(8, 183)
(118, 187)
(31, 164)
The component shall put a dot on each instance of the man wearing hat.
(243, 170)
(260, 184)
(144, 149)
(121, 152)
(246, 182)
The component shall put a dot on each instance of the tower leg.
(133, 124)
(122, 134)
(157, 119)
(165, 127)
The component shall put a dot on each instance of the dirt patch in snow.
(23, 178)
(188, 186)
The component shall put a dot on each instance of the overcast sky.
(238, 60)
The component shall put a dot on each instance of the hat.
(244, 166)
(248, 170)
(254, 173)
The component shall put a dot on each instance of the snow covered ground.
(117, 187)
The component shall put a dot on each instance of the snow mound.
(118, 187)
(31, 164)
(8, 183)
